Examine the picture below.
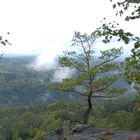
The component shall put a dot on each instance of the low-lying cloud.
(48, 60)
(44, 62)
(62, 73)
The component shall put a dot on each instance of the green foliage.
(118, 120)
(35, 123)
(113, 114)
(66, 110)
(111, 53)
(126, 5)
(111, 31)
(132, 63)
(67, 84)
(50, 123)
(109, 67)
(132, 67)
(60, 104)
(28, 123)
(115, 90)
(66, 132)
(15, 127)
(65, 105)
(136, 112)
(40, 135)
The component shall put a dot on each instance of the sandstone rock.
(134, 137)
(80, 127)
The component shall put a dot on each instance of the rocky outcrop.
(92, 133)
(86, 132)
(79, 128)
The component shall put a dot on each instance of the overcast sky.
(47, 26)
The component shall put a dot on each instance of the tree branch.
(103, 88)
(76, 66)
(106, 61)
(105, 96)
(82, 94)
(93, 40)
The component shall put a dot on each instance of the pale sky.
(47, 26)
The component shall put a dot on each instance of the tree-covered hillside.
(23, 86)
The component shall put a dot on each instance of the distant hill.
(21, 86)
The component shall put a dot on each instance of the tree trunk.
(89, 109)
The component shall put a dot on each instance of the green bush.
(119, 120)
(136, 114)
(50, 123)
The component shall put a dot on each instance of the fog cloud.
(62, 73)
(48, 60)
(44, 62)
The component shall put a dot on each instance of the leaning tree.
(94, 75)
